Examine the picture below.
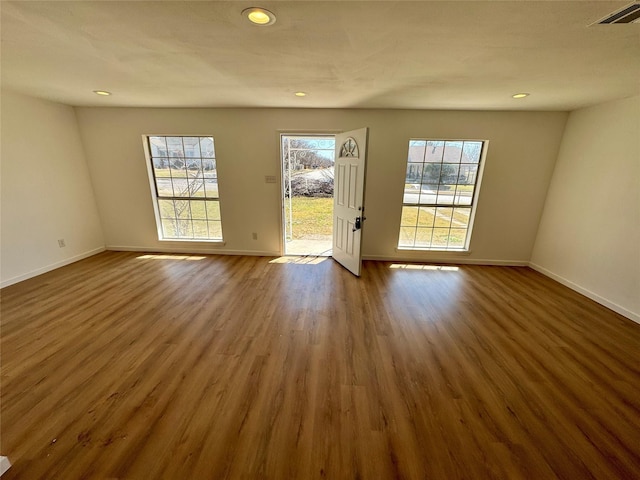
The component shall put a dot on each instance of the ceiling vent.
(628, 14)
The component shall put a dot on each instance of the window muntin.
(185, 184)
(439, 194)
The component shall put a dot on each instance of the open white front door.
(348, 198)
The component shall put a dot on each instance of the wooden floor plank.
(126, 365)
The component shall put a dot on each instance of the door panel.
(350, 167)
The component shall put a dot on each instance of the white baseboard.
(449, 259)
(4, 465)
(53, 266)
(190, 250)
(400, 258)
(587, 293)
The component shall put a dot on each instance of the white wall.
(589, 235)
(522, 151)
(46, 192)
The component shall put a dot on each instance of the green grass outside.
(439, 217)
(176, 219)
(311, 216)
(314, 216)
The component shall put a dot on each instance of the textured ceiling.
(362, 54)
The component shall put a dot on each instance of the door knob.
(358, 224)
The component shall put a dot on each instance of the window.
(439, 194)
(185, 187)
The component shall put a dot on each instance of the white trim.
(432, 251)
(453, 259)
(587, 293)
(53, 266)
(154, 193)
(188, 250)
(213, 243)
(5, 464)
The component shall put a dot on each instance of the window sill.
(433, 250)
(216, 243)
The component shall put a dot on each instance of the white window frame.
(157, 197)
(465, 247)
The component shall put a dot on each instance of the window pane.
(198, 210)
(431, 173)
(196, 187)
(428, 194)
(446, 193)
(178, 168)
(440, 237)
(169, 228)
(426, 216)
(209, 167)
(464, 195)
(185, 228)
(174, 146)
(461, 217)
(423, 237)
(452, 152)
(468, 174)
(191, 147)
(434, 151)
(206, 147)
(457, 237)
(161, 167)
(164, 185)
(449, 174)
(416, 150)
(194, 166)
(471, 152)
(407, 235)
(180, 187)
(414, 173)
(182, 209)
(411, 193)
(200, 229)
(443, 216)
(158, 147)
(211, 188)
(409, 216)
(213, 210)
(215, 229)
(166, 209)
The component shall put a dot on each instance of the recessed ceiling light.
(259, 16)
(104, 93)
(300, 94)
(520, 95)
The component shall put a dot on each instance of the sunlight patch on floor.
(170, 257)
(411, 266)
(309, 260)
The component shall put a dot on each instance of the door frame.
(300, 133)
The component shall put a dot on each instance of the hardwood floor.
(143, 367)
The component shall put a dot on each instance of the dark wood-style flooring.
(133, 366)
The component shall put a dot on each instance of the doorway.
(307, 193)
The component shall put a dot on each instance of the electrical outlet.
(61, 243)
(254, 235)
(270, 179)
